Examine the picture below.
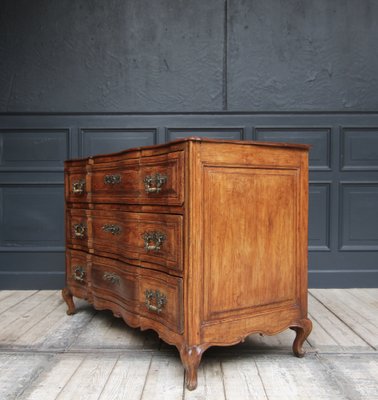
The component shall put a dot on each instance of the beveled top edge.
(198, 139)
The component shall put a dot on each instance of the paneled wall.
(91, 76)
(343, 219)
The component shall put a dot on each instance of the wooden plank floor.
(46, 355)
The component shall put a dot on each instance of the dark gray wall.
(86, 77)
(184, 56)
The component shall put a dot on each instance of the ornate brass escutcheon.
(155, 301)
(79, 231)
(113, 229)
(112, 179)
(154, 183)
(79, 274)
(157, 238)
(78, 187)
(111, 278)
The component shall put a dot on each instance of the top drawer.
(148, 180)
(76, 186)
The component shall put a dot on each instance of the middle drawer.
(141, 237)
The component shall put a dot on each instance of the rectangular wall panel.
(318, 138)
(319, 221)
(343, 201)
(213, 133)
(32, 216)
(359, 216)
(102, 141)
(359, 149)
(38, 149)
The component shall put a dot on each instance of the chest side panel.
(250, 239)
(253, 218)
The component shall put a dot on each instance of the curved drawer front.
(77, 273)
(151, 180)
(161, 299)
(78, 229)
(152, 238)
(76, 186)
(115, 282)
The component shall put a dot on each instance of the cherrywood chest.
(203, 241)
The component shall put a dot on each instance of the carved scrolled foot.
(67, 297)
(302, 332)
(191, 358)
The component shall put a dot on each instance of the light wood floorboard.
(48, 355)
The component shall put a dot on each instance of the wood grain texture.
(128, 378)
(18, 371)
(49, 360)
(209, 273)
(164, 380)
(360, 318)
(330, 332)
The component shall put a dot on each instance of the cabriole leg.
(191, 358)
(302, 333)
(67, 297)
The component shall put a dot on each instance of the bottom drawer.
(77, 272)
(161, 298)
(151, 294)
(116, 282)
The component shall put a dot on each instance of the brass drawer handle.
(154, 183)
(111, 278)
(79, 274)
(155, 301)
(157, 238)
(78, 187)
(113, 229)
(112, 179)
(79, 231)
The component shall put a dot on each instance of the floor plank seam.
(337, 377)
(222, 378)
(80, 331)
(21, 300)
(261, 380)
(37, 321)
(108, 378)
(145, 379)
(165, 352)
(34, 378)
(340, 319)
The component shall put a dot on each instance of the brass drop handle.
(153, 240)
(154, 183)
(78, 274)
(113, 229)
(111, 278)
(78, 187)
(79, 231)
(155, 301)
(112, 179)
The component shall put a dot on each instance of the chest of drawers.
(203, 241)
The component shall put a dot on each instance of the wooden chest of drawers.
(203, 241)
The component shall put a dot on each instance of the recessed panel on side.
(250, 235)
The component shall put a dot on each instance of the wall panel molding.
(33, 149)
(220, 132)
(359, 148)
(319, 216)
(358, 216)
(343, 191)
(108, 140)
(319, 138)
